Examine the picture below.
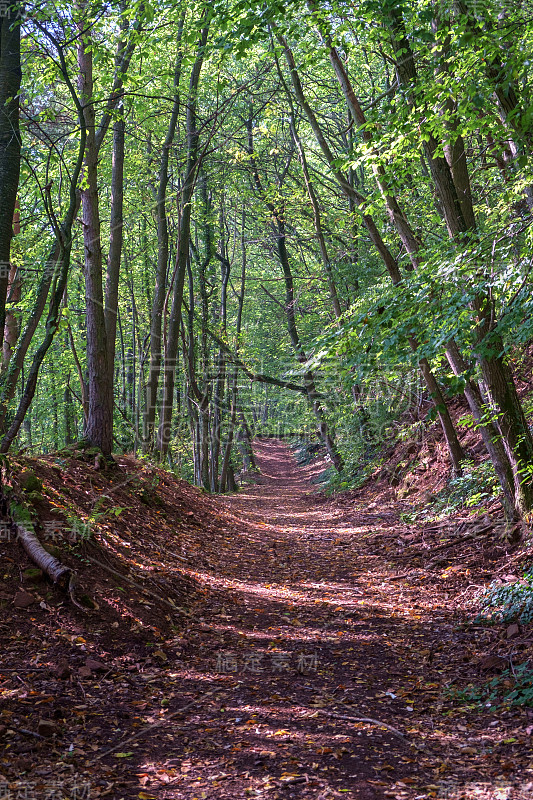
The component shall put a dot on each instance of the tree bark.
(191, 172)
(162, 256)
(99, 426)
(10, 144)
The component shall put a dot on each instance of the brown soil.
(253, 645)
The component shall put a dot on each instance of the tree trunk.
(193, 159)
(14, 294)
(99, 426)
(162, 257)
(225, 473)
(10, 78)
(116, 236)
(309, 380)
(450, 435)
(517, 439)
(60, 247)
(317, 221)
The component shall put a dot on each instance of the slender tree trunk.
(246, 438)
(116, 237)
(220, 383)
(450, 435)
(56, 275)
(278, 228)
(14, 294)
(456, 158)
(55, 263)
(232, 388)
(309, 379)
(68, 414)
(163, 437)
(317, 222)
(162, 256)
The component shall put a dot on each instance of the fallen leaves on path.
(274, 643)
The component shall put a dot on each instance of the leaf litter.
(273, 643)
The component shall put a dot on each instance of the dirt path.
(315, 621)
(311, 624)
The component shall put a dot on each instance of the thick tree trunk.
(10, 78)
(99, 426)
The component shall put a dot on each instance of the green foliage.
(412, 432)
(306, 451)
(514, 687)
(508, 602)
(476, 485)
(245, 97)
(409, 517)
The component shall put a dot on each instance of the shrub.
(508, 602)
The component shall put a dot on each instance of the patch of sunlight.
(271, 592)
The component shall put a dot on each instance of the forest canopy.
(229, 218)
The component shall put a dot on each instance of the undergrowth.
(475, 486)
(502, 603)
(508, 602)
(514, 687)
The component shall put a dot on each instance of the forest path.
(308, 625)
(290, 617)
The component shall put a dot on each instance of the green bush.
(509, 602)
(512, 688)
(476, 485)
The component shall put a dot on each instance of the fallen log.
(21, 520)
(57, 571)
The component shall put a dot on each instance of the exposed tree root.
(378, 722)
